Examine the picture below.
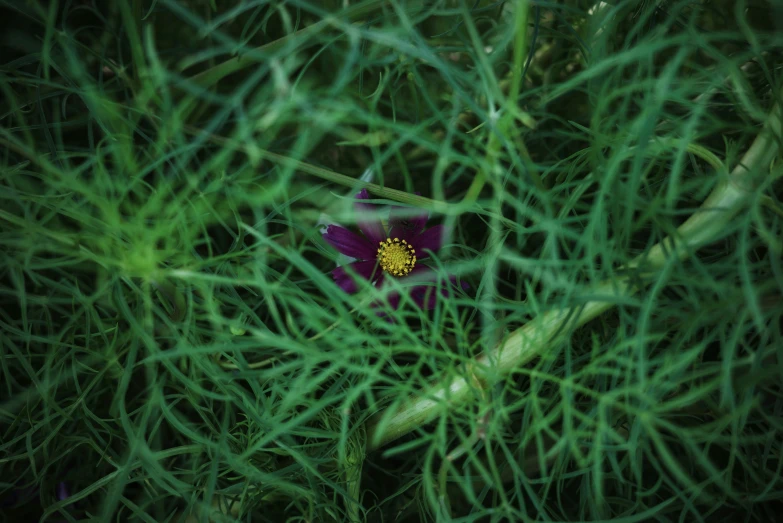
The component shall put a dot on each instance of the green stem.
(436, 206)
(511, 109)
(214, 74)
(535, 337)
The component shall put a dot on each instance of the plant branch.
(538, 335)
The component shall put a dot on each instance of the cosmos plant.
(397, 254)
(177, 343)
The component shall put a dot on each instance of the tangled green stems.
(154, 256)
(537, 336)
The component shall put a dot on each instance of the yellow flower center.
(396, 256)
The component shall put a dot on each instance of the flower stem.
(506, 121)
(536, 336)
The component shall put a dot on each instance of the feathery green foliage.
(173, 347)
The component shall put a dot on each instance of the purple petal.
(349, 243)
(420, 274)
(347, 282)
(425, 296)
(378, 278)
(393, 301)
(367, 219)
(431, 239)
(406, 222)
(419, 294)
(62, 491)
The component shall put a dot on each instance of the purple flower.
(62, 491)
(397, 254)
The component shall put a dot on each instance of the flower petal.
(420, 274)
(425, 296)
(431, 239)
(367, 219)
(62, 491)
(347, 282)
(420, 294)
(406, 222)
(349, 243)
(393, 301)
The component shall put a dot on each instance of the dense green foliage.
(174, 348)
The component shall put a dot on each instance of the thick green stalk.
(538, 335)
